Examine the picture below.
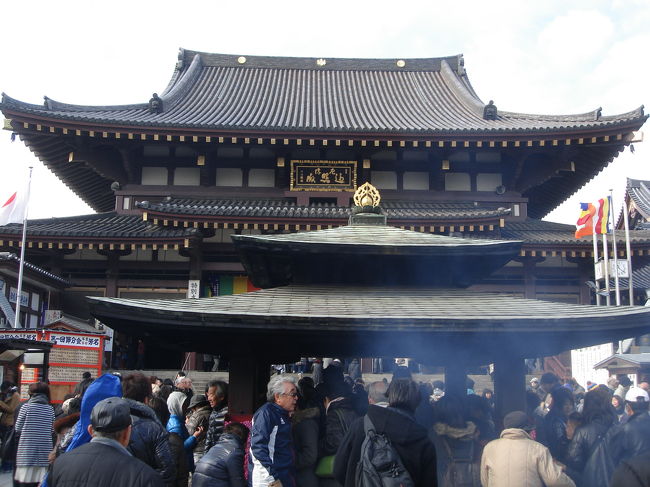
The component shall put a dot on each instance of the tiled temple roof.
(542, 232)
(639, 191)
(308, 95)
(98, 226)
(278, 208)
(13, 258)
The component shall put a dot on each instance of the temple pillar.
(248, 378)
(456, 379)
(509, 385)
(112, 274)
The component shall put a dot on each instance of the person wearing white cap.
(631, 439)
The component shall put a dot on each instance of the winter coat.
(634, 472)
(554, 435)
(7, 408)
(108, 385)
(409, 439)
(338, 418)
(223, 465)
(98, 464)
(629, 440)
(305, 442)
(516, 460)
(216, 423)
(200, 417)
(81, 388)
(583, 444)
(458, 446)
(35, 426)
(150, 441)
(271, 452)
(179, 456)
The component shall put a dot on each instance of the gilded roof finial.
(367, 195)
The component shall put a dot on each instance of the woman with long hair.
(597, 417)
(555, 422)
(34, 424)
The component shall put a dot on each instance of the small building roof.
(428, 322)
(71, 323)
(286, 95)
(625, 360)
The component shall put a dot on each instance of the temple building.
(252, 146)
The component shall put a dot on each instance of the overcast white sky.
(554, 56)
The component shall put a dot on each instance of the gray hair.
(377, 391)
(276, 385)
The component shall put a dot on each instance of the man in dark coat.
(631, 439)
(397, 422)
(217, 393)
(104, 461)
(149, 439)
(223, 465)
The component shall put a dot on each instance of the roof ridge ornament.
(367, 195)
(155, 104)
(367, 210)
(490, 111)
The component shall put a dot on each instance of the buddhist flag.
(13, 209)
(585, 223)
(602, 216)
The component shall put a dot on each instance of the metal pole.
(614, 247)
(22, 253)
(594, 238)
(608, 298)
(628, 250)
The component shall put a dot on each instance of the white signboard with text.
(584, 359)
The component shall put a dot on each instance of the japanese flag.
(13, 210)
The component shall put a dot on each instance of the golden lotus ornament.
(367, 195)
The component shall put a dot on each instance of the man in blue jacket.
(271, 458)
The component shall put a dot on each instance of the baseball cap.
(636, 394)
(517, 419)
(110, 415)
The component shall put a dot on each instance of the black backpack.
(380, 465)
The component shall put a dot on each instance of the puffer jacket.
(200, 417)
(340, 415)
(223, 465)
(150, 441)
(305, 441)
(218, 418)
(516, 460)
(409, 439)
(583, 444)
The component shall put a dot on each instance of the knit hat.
(517, 419)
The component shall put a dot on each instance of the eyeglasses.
(292, 394)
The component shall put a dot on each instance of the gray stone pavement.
(5, 479)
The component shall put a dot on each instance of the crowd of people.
(333, 432)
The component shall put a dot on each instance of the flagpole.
(614, 248)
(628, 251)
(608, 298)
(594, 239)
(22, 253)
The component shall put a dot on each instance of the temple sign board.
(323, 175)
(619, 266)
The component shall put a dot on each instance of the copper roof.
(431, 322)
(309, 95)
(639, 191)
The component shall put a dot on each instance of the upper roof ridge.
(319, 63)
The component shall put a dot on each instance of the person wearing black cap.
(104, 461)
(516, 459)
